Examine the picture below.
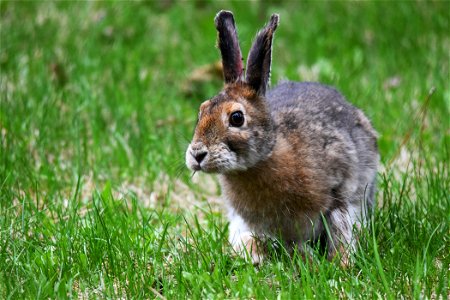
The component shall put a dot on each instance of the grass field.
(98, 104)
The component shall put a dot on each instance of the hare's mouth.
(196, 167)
(210, 165)
(206, 166)
(221, 166)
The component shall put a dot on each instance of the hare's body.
(297, 162)
(322, 167)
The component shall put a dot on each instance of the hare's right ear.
(260, 57)
(228, 44)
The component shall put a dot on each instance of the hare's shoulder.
(295, 104)
(317, 120)
(308, 96)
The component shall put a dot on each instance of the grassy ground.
(97, 110)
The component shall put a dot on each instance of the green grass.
(95, 200)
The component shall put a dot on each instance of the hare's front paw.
(249, 247)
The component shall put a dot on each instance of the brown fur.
(281, 188)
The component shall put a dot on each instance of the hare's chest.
(290, 225)
(268, 211)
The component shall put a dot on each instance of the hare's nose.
(199, 156)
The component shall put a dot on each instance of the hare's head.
(234, 129)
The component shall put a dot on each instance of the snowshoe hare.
(296, 162)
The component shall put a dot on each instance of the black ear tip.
(274, 21)
(223, 16)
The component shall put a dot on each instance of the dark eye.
(237, 119)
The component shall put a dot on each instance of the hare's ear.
(228, 44)
(260, 57)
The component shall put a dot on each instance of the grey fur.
(321, 117)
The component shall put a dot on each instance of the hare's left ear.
(260, 57)
(228, 44)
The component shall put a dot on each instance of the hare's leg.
(340, 231)
(244, 242)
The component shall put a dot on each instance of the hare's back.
(320, 116)
(318, 122)
(311, 101)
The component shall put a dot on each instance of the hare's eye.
(237, 119)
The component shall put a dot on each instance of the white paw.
(247, 246)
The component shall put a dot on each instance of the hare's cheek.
(236, 146)
(238, 142)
